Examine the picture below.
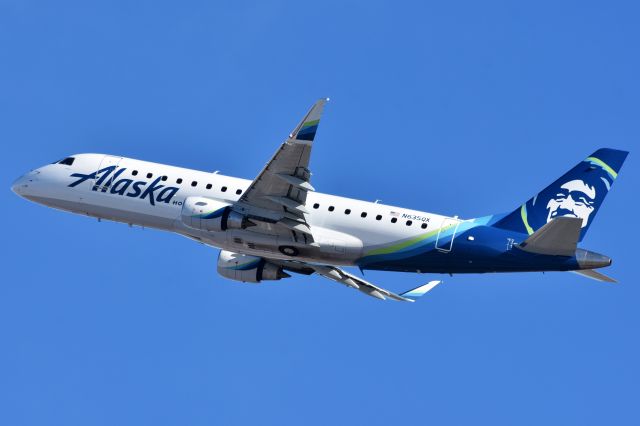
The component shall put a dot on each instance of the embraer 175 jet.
(278, 223)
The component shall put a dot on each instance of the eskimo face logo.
(575, 198)
(104, 181)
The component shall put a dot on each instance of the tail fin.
(578, 193)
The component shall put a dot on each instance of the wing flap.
(295, 181)
(295, 225)
(287, 202)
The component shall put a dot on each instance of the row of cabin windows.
(315, 206)
(364, 214)
(193, 183)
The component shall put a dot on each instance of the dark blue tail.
(578, 193)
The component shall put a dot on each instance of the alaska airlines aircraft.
(278, 223)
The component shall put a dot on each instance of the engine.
(211, 215)
(248, 269)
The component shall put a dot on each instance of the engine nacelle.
(248, 269)
(211, 215)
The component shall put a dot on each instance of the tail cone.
(591, 260)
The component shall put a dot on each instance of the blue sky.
(464, 108)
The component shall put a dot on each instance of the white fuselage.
(344, 229)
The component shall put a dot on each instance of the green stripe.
(523, 214)
(203, 215)
(310, 123)
(604, 165)
(244, 265)
(400, 246)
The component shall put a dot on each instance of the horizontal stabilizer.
(558, 237)
(420, 291)
(595, 275)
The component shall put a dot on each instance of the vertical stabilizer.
(578, 193)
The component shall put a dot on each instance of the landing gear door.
(446, 234)
(105, 173)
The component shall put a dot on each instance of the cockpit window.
(67, 161)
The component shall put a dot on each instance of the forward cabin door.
(446, 234)
(102, 182)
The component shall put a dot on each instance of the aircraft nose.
(21, 185)
(16, 186)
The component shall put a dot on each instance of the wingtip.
(416, 293)
(307, 128)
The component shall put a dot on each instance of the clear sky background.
(464, 108)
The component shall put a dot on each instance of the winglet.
(307, 128)
(418, 292)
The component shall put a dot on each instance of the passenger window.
(409, 223)
(149, 175)
(363, 214)
(194, 183)
(208, 186)
(394, 219)
(331, 208)
(379, 217)
(164, 178)
(239, 191)
(424, 225)
(224, 189)
(316, 205)
(347, 211)
(179, 180)
(135, 172)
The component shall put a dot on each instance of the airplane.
(277, 223)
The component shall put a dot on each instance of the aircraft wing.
(353, 281)
(279, 192)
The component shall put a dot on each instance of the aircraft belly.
(436, 262)
(343, 252)
(489, 250)
(107, 213)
